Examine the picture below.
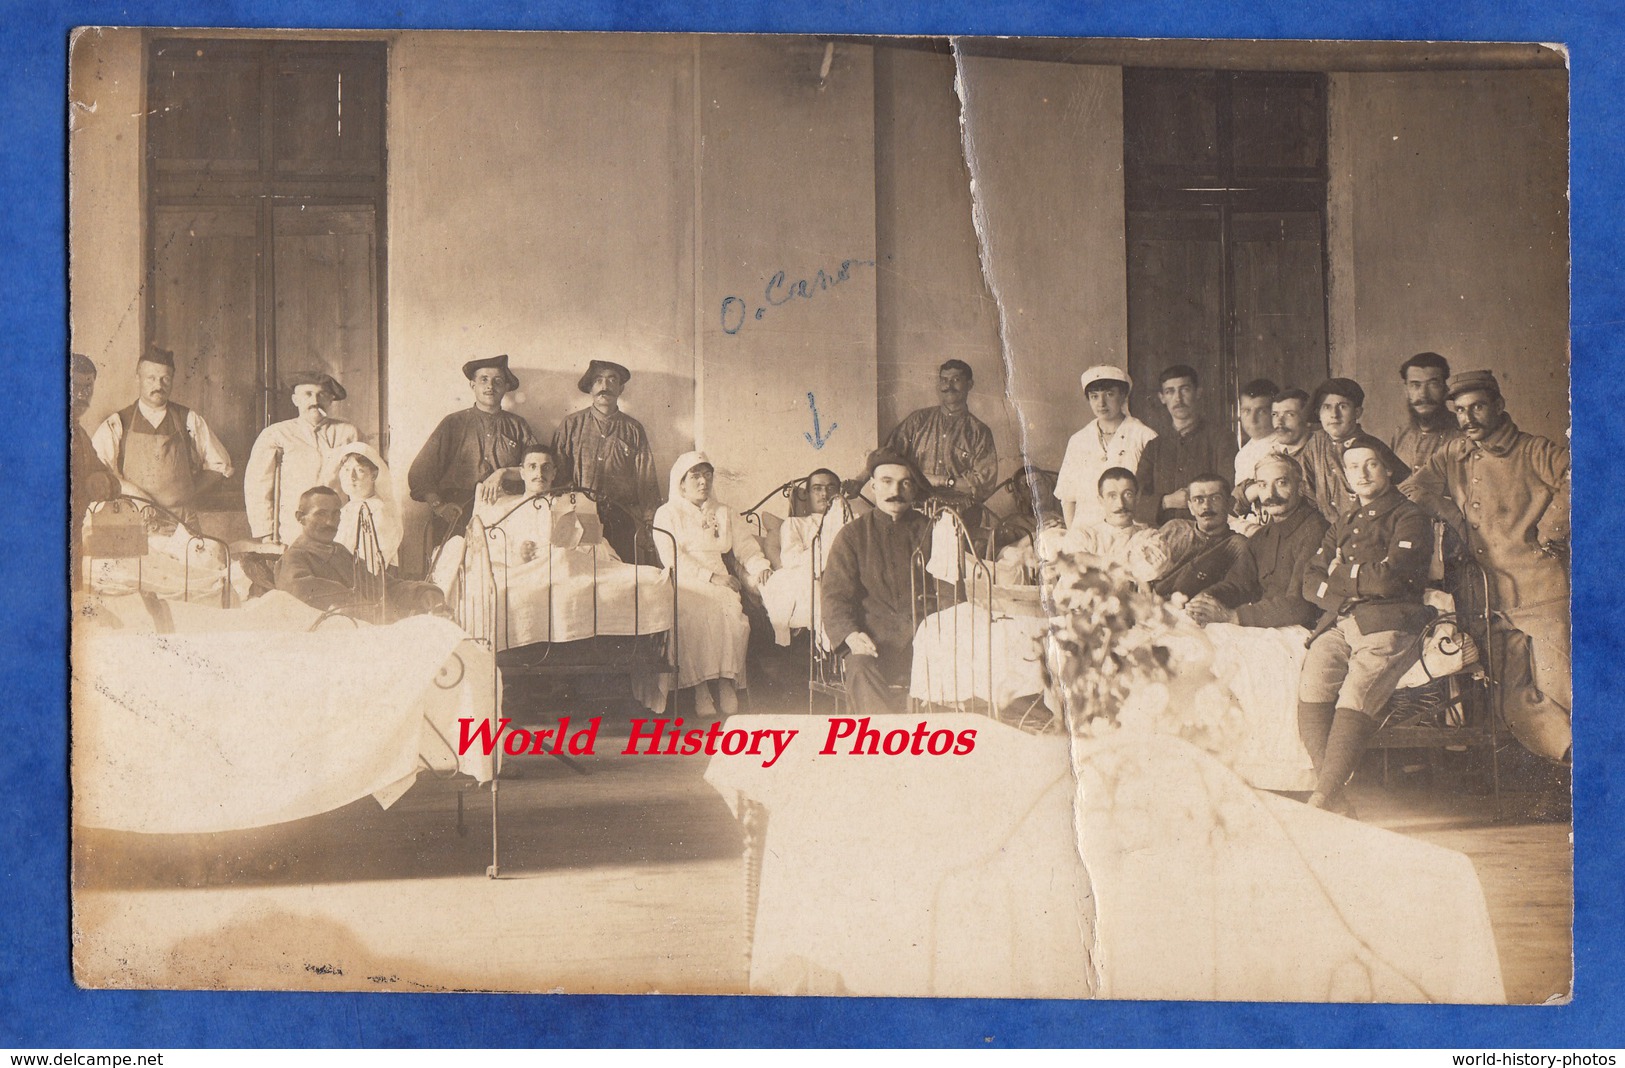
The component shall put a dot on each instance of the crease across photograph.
(840, 515)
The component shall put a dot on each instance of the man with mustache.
(324, 574)
(949, 445)
(1367, 578)
(1264, 586)
(1507, 493)
(1340, 402)
(868, 589)
(469, 447)
(607, 451)
(1171, 460)
(165, 451)
(305, 449)
(1117, 537)
(1202, 548)
(1429, 423)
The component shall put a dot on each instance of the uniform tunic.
(1196, 560)
(1087, 458)
(1172, 460)
(1324, 481)
(610, 456)
(1367, 577)
(1264, 586)
(463, 450)
(952, 451)
(1512, 493)
(1421, 438)
(867, 583)
(310, 457)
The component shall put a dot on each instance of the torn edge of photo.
(973, 517)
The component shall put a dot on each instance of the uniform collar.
(309, 544)
(1382, 505)
(1499, 441)
(1293, 519)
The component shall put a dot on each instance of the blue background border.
(39, 1005)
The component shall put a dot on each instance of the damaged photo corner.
(910, 517)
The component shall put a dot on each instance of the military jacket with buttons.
(1512, 492)
(1374, 563)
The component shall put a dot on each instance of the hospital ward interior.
(923, 517)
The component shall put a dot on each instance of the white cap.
(1105, 373)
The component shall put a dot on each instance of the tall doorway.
(265, 183)
(1225, 186)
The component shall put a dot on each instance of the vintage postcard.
(793, 515)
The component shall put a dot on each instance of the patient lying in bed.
(555, 577)
(177, 564)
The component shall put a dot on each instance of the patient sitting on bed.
(324, 574)
(1117, 538)
(787, 594)
(1256, 618)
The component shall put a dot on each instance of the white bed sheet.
(964, 876)
(222, 730)
(957, 657)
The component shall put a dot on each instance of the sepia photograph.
(969, 517)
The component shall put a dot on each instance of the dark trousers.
(878, 685)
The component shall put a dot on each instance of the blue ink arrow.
(817, 438)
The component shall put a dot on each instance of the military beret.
(498, 362)
(1346, 388)
(598, 367)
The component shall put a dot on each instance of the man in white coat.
(305, 449)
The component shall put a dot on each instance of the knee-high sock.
(1351, 731)
(1314, 724)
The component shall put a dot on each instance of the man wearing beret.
(304, 450)
(868, 589)
(470, 446)
(607, 451)
(1507, 493)
(1340, 402)
(165, 451)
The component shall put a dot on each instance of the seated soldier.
(1202, 548)
(787, 594)
(1118, 538)
(1367, 576)
(1264, 586)
(869, 595)
(324, 574)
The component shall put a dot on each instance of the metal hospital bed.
(483, 603)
